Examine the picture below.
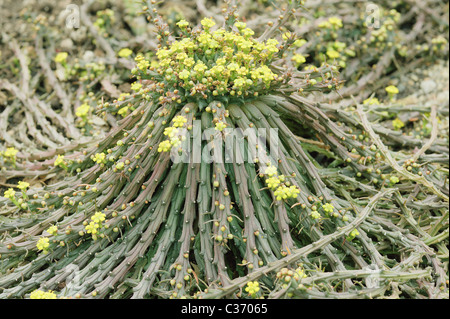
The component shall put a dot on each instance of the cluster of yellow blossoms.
(9, 155)
(11, 195)
(277, 183)
(99, 158)
(39, 294)
(59, 162)
(215, 63)
(43, 244)
(252, 288)
(172, 132)
(83, 110)
(334, 23)
(95, 224)
(352, 234)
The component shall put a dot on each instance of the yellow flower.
(354, 233)
(61, 57)
(298, 59)
(397, 124)
(99, 158)
(170, 131)
(371, 101)
(125, 53)
(136, 86)
(332, 54)
(123, 111)
(270, 171)
(43, 243)
(207, 23)
(252, 288)
(164, 146)
(315, 214)
(23, 186)
(52, 230)
(120, 166)
(184, 74)
(98, 217)
(39, 294)
(300, 42)
(392, 90)
(10, 152)
(336, 22)
(59, 161)
(220, 126)
(82, 110)
(273, 182)
(182, 24)
(240, 25)
(92, 228)
(179, 121)
(10, 193)
(328, 208)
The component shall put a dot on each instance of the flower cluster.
(59, 162)
(83, 110)
(23, 186)
(95, 224)
(43, 244)
(277, 183)
(352, 234)
(125, 53)
(52, 230)
(61, 57)
(39, 294)
(328, 208)
(252, 288)
(11, 195)
(172, 132)
(333, 23)
(213, 63)
(99, 158)
(9, 155)
(392, 91)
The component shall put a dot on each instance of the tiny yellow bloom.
(182, 24)
(43, 243)
(333, 54)
(39, 294)
(10, 193)
(164, 146)
(123, 111)
(397, 124)
(220, 126)
(82, 110)
(392, 90)
(98, 217)
(23, 186)
(328, 208)
(52, 230)
(125, 53)
(59, 161)
(179, 121)
(207, 23)
(371, 101)
(298, 59)
(10, 152)
(61, 57)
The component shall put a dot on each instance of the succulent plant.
(185, 197)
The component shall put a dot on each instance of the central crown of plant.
(206, 65)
